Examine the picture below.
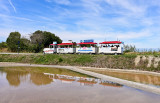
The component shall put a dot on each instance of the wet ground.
(51, 85)
(149, 79)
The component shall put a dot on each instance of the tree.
(13, 40)
(49, 38)
(37, 37)
(24, 44)
(41, 39)
(38, 40)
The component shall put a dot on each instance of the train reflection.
(82, 80)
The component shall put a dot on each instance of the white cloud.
(128, 5)
(134, 35)
(64, 2)
(100, 36)
(12, 5)
(4, 34)
(3, 7)
(10, 18)
(93, 6)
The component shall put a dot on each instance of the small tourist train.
(85, 47)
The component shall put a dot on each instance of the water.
(51, 85)
(152, 80)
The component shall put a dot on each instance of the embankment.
(129, 61)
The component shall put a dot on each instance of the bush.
(129, 48)
(60, 59)
(3, 45)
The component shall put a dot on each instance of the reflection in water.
(141, 78)
(40, 79)
(87, 81)
(82, 80)
(107, 83)
(13, 78)
(65, 78)
(16, 75)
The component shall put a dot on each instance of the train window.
(114, 48)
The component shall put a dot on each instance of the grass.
(125, 61)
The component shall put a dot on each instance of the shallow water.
(51, 85)
(152, 80)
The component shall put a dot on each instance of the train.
(85, 47)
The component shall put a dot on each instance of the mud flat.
(101, 76)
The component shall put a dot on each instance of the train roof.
(87, 43)
(67, 44)
(82, 43)
(110, 42)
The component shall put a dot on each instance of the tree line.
(35, 43)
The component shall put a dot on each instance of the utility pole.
(18, 46)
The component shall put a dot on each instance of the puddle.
(136, 77)
(39, 85)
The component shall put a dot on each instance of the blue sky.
(135, 22)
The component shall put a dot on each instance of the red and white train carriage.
(86, 46)
(111, 47)
(66, 48)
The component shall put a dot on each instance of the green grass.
(125, 61)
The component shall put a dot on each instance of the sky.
(135, 22)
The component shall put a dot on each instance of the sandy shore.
(104, 77)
